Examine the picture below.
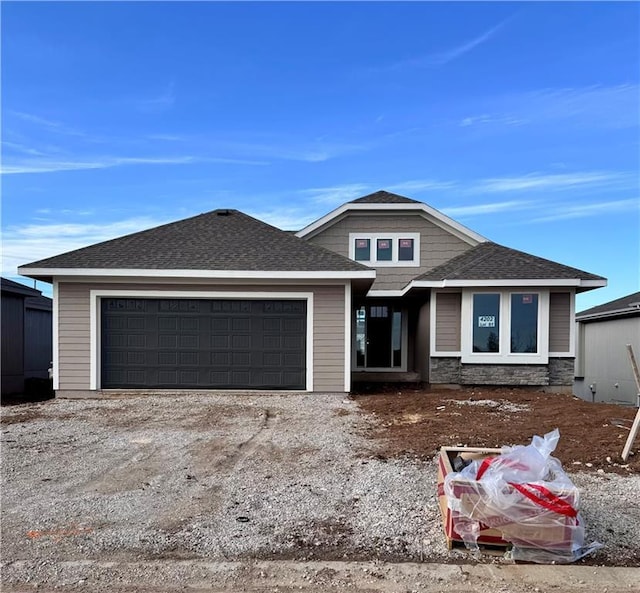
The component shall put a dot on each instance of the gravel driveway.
(231, 477)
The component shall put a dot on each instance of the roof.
(17, 288)
(219, 240)
(624, 306)
(387, 202)
(39, 302)
(490, 261)
(383, 197)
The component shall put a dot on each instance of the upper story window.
(385, 249)
(363, 250)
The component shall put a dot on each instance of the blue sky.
(519, 120)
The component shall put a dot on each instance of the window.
(405, 249)
(505, 326)
(363, 250)
(486, 323)
(388, 249)
(384, 250)
(524, 323)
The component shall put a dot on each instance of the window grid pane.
(524, 323)
(363, 250)
(405, 250)
(384, 250)
(486, 323)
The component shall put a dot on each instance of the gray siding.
(436, 244)
(605, 362)
(448, 320)
(559, 321)
(74, 328)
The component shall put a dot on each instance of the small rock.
(589, 464)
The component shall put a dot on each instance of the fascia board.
(213, 274)
(506, 282)
(605, 314)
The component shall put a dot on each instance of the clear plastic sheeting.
(524, 494)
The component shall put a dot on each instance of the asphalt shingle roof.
(217, 240)
(624, 305)
(490, 261)
(384, 197)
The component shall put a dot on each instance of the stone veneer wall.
(444, 370)
(561, 371)
(450, 370)
(504, 374)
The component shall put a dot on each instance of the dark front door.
(378, 336)
(203, 344)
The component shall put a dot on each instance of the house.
(603, 368)
(26, 335)
(383, 287)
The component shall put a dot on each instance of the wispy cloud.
(440, 58)
(159, 103)
(336, 194)
(490, 208)
(288, 219)
(568, 211)
(589, 107)
(46, 123)
(22, 244)
(487, 119)
(33, 166)
(417, 185)
(539, 181)
(455, 52)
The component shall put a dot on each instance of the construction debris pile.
(515, 496)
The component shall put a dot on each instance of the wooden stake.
(636, 422)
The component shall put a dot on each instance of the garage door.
(203, 344)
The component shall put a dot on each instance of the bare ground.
(417, 422)
(89, 486)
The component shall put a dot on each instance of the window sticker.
(486, 321)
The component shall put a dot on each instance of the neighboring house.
(383, 287)
(603, 368)
(26, 335)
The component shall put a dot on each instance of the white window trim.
(394, 237)
(56, 335)
(504, 356)
(95, 321)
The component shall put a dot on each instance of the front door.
(379, 337)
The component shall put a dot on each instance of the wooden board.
(636, 423)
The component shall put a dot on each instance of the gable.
(436, 244)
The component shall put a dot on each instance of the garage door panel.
(189, 341)
(192, 343)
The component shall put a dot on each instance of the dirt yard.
(168, 489)
(417, 422)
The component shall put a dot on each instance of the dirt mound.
(417, 422)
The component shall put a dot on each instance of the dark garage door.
(200, 344)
